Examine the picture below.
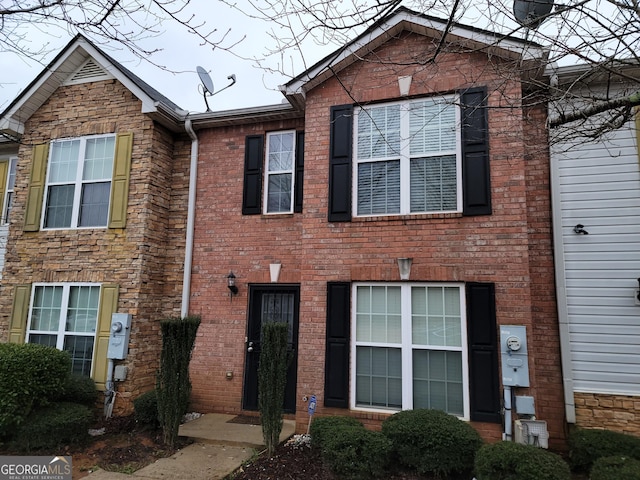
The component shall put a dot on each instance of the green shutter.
(4, 171)
(108, 305)
(19, 313)
(120, 182)
(33, 210)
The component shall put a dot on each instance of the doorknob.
(250, 348)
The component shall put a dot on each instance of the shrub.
(145, 409)
(432, 441)
(356, 453)
(79, 389)
(615, 468)
(30, 376)
(586, 446)
(272, 380)
(173, 386)
(514, 461)
(54, 426)
(323, 428)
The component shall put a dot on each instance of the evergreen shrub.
(53, 427)
(79, 389)
(615, 468)
(356, 453)
(432, 441)
(323, 428)
(31, 376)
(514, 461)
(588, 445)
(145, 409)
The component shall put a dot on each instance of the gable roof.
(404, 19)
(68, 66)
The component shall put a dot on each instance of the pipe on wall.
(191, 214)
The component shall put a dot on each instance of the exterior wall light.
(404, 266)
(231, 284)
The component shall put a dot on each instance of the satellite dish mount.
(207, 84)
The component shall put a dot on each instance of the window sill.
(421, 216)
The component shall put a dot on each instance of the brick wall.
(137, 257)
(496, 248)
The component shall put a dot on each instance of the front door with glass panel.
(268, 304)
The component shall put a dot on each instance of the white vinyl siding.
(598, 185)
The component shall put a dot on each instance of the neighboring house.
(407, 143)
(97, 202)
(596, 204)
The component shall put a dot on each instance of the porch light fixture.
(404, 266)
(231, 284)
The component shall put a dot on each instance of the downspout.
(191, 215)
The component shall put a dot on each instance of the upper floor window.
(78, 183)
(65, 316)
(407, 158)
(11, 182)
(280, 172)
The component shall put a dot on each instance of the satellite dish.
(531, 13)
(205, 79)
(207, 84)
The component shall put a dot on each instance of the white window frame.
(405, 156)
(291, 172)
(64, 307)
(6, 208)
(79, 182)
(407, 346)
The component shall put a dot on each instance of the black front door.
(270, 303)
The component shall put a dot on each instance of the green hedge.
(52, 427)
(323, 427)
(79, 389)
(356, 453)
(145, 409)
(615, 468)
(587, 445)
(514, 461)
(432, 441)
(31, 376)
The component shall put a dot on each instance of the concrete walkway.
(219, 448)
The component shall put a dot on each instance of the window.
(408, 158)
(79, 182)
(407, 349)
(65, 316)
(280, 168)
(11, 182)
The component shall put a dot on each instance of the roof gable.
(81, 61)
(392, 25)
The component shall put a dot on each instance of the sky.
(181, 52)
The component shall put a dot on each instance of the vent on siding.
(90, 71)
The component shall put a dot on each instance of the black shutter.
(297, 201)
(336, 371)
(340, 163)
(483, 352)
(252, 190)
(476, 176)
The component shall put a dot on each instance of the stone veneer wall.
(620, 413)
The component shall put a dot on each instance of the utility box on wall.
(119, 338)
(514, 354)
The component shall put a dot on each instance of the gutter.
(191, 214)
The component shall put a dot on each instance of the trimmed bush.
(79, 389)
(323, 428)
(514, 461)
(615, 468)
(31, 376)
(146, 410)
(54, 426)
(587, 445)
(356, 453)
(432, 441)
(173, 386)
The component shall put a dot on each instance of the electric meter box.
(514, 355)
(119, 336)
